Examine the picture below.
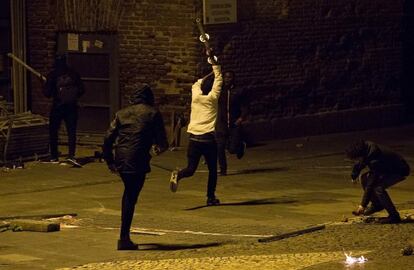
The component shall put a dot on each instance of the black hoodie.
(63, 84)
(382, 162)
(133, 131)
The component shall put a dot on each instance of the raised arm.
(218, 82)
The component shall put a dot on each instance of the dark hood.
(60, 62)
(142, 95)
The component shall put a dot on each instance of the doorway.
(95, 58)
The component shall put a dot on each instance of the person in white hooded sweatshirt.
(204, 104)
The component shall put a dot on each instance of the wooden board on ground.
(41, 216)
(35, 225)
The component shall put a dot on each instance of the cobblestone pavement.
(325, 249)
(264, 262)
(277, 187)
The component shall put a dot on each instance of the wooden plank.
(292, 234)
(40, 216)
(35, 225)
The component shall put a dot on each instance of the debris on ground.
(66, 221)
(34, 225)
(407, 250)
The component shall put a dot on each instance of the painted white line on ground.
(163, 232)
(146, 230)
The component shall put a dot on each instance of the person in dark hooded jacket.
(385, 169)
(134, 130)
(231, 113)
(65, 87)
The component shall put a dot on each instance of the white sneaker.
(73, 162)
(174, 181)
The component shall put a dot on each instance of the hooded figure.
(133, 131)
(142, 95)
(65, 87)
(385, 169)
(136, 128)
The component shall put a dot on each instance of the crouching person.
(385, 169)
(135, 129)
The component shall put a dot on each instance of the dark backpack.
(67, 90)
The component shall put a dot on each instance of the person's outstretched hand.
(359, 211)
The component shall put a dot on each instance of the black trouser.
(379, 197)
(235, 140)
(222, 140)
(195, 150)
(133, 183)
(232, 140)
(69, 114)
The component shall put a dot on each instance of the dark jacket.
(64, 85)
(381, 163)
(133, 131)
(231, 105)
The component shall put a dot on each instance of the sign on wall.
(219, 11)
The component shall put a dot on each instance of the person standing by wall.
(204, 103)
(65, 87)
(135, 129)
(232, 111)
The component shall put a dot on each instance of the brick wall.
(294, 58)
(41, 33)
(304, 57)
(158, 46)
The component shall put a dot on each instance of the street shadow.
(320, 197)
(158, 246)
(232, 172)
(255, 144)
(258, 170)
(251, 202)
(85, 160)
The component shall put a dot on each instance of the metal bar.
(203, 33)
(292, 234)
(18, 60)
(6, 143)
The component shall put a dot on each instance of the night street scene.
(206, 134)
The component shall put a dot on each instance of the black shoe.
(242, 150)
(391, 220)
(372, 209)
(213, 201)
(127, 245)
(223, 172)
